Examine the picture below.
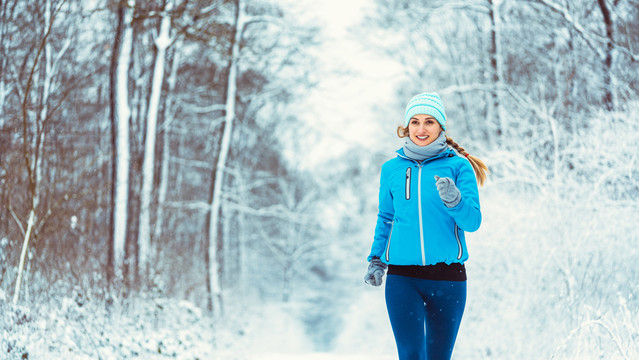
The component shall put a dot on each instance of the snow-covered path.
(320, 356)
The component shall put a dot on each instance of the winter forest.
(197, 179)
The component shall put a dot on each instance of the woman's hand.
(376, 270)
(448, 191)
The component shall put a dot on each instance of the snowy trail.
(320, 356)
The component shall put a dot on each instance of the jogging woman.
(428, 198)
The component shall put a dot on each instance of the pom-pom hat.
(426, 103)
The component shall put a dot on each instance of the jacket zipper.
(390, 234)
(408, 171)
(421, 221)
(459, 245)
(419, 207)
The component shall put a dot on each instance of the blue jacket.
(414, 227)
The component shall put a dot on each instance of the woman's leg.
(445, 302)
(406, 312)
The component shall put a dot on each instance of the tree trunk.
(496, 63)
(214, 283)
(23, 254)
(4, 88)
(120, 113)
(32, 149)
(607, 17)
(162, 41)
(166, 143)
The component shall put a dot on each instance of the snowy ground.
(321, 356)
(526, 300)
(156, 329)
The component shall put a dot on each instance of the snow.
(155, 330)
(537, 288)
(552, 271)
(321, 356)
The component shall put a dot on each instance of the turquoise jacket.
(414, 227)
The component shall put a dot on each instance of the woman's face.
(423, 129)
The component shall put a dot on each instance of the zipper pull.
(408, 173)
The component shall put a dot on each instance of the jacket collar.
(445, 153)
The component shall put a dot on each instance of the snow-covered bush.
(552, 270)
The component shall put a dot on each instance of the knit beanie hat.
(426, 103)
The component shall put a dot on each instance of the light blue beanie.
(426, 103)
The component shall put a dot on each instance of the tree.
(214, 286)
(496, 63)
(162, 42)
(33, 127)
(607, 19)
(87, 142)
(166, 140)
(248, 14)
(120, 114)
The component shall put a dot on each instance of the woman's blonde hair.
(481, 170)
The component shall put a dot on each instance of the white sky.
(354, 79)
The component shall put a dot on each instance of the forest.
(197, 179)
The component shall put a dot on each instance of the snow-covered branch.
(277, 211)
(190, 162)
(192, 205)
(463, 88)
(204, 109)
(593, 39)
(476, 6)
(15, 218)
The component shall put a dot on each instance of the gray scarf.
(421, 153)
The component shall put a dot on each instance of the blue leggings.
(425, 315)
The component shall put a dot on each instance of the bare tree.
(83, 195)
(162, 42)
(214, 225)
(214, 283)
(607, 19)
(120, 114)
(495, 108)
(166, 141)
(33, 127)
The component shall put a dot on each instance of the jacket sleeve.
(384, 218)
(467, 213)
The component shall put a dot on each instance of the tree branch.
(589, 36)
(15, 217)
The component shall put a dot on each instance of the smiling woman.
(428, 197)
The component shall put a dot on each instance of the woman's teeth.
(422, 137)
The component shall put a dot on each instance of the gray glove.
(448, 191)
(376, 269)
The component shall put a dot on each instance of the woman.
(427, 199)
